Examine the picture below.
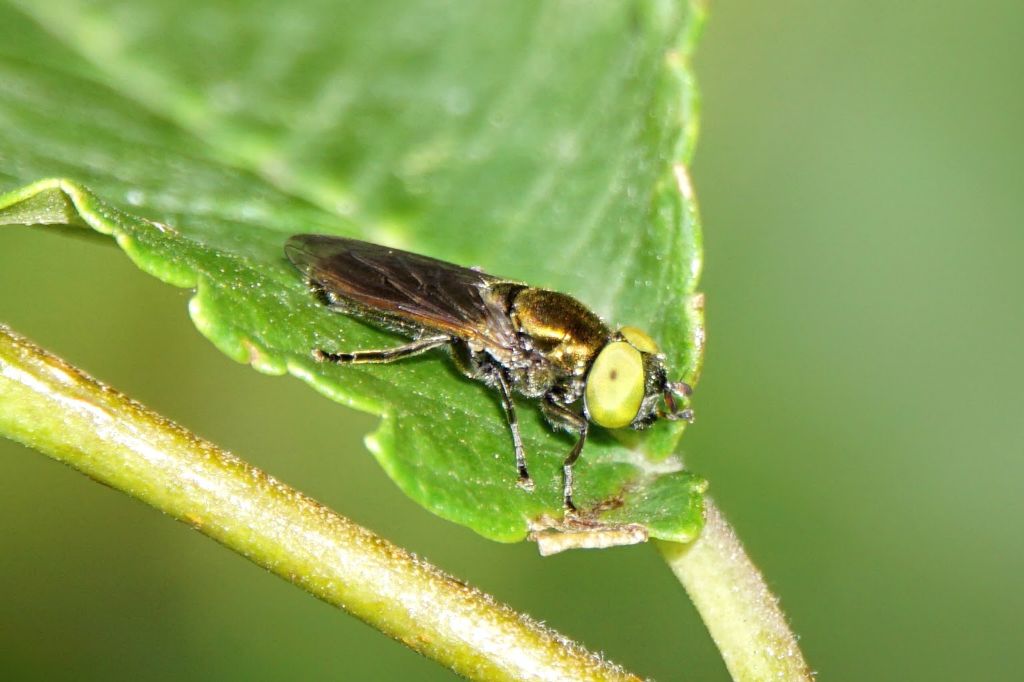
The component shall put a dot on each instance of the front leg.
(562, 417)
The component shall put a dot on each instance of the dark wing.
(405, 287)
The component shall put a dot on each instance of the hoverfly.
(513, 337)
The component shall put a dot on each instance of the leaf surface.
(544, 142)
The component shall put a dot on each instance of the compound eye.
(640, 340)
(615, 385)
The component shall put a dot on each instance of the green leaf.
(546, 142)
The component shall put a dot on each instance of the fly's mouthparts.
(681, 388)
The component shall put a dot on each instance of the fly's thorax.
(534, 378)
(559, 328)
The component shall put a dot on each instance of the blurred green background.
(859, 415)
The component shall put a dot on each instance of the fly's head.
(628, 385)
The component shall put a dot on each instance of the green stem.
(53, 407)
(742, 615)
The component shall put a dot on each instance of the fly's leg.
(525, 481)
(361, 357)
(561, 416)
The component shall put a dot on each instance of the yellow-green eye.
(615, 385)
(640, 340)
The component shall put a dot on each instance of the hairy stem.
(53, 407)
(742, 615)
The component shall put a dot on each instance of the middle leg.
(525, 481)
